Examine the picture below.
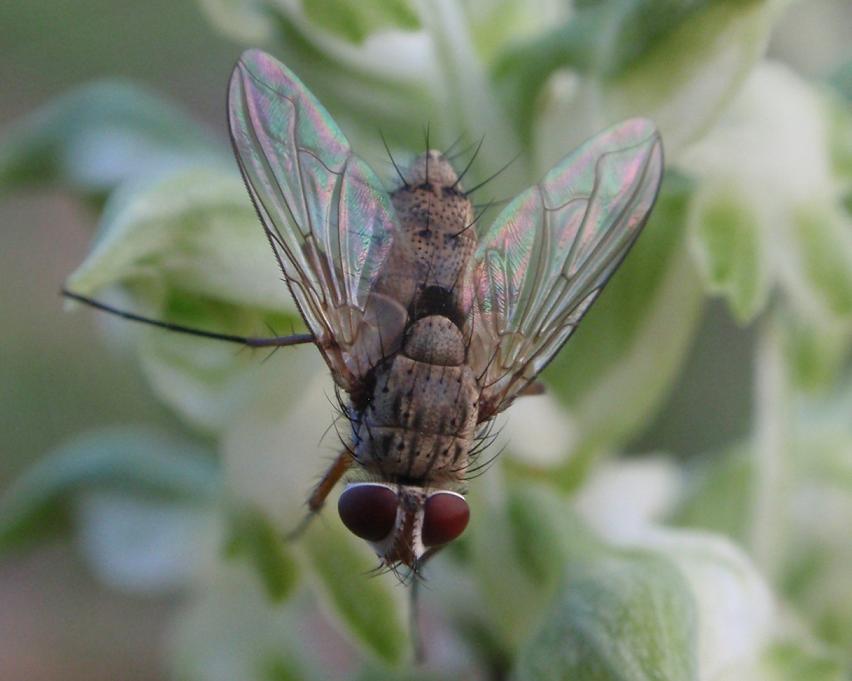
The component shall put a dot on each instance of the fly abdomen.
(422, 417)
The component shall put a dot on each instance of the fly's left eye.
(368, 510)
(445, 515)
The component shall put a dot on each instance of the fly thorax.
(437, 220)
(435, 340)
(432, 167)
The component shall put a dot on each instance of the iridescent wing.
(328, 220)
(550, 252)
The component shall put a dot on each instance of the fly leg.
(248, 341)
(534, 388)
(319, 494)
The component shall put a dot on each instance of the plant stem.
(771, 447)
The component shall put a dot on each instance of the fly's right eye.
(445, 515)
(368, 510)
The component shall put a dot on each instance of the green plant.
(580, 562)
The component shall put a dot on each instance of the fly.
(429, 329)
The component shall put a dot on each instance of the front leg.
(323, 488)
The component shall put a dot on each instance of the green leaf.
(378, 84)
(248, 22)
(546, 532)
(231, 630)
(282, 668)
(186, 247)
(465, 104)
(619, 365)
(193, 229)
(369, 608)
(726, 587)
(789, 661)
(522, 71)
(825, 246)
(839, 119)
(141, 460)
(97, 137)
(718, 496)
(494, 24)
(688, 63)
(253, 537)
(375, 673)
(815, 349)
(274, 452)
(209, 383)
(677, 63)
(773, 147)
(730, 250)
(517, 553)
(356, 21)
(256, 21)
(623, 617)
(145, 546)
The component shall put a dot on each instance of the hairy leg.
(320, 493)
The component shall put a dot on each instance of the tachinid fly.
(429, 329)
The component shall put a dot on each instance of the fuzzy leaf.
(773, 146)
(145, 461)
(255, 21)
(375, 673)
(677, 63)
(145, 546)
(98, 136)
(495, 24)
(250, 22)
(840, 129)
(622, 617)
(538, 431)
(815, 349)
(210, 383)
(186, 247)
(718, 494)
(253, 537)
(790, 661)
(356, 21)
(682, 67)
(383, 82)
(729, 248)
(735, 610)
(517, 554)
(232, 630)
(194, 230)
(370, 609)
(623, 496)
(825, 245)
(545, 532)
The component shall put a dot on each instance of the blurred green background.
(58, 377)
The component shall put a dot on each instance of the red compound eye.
(445, 515)
(368, 510)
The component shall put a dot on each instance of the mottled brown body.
(436, 241)
(427, 329)
(421, 421)
(418, 425)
